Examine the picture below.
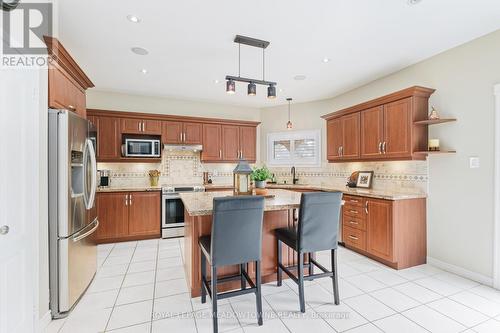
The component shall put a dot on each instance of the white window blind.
(294, 148)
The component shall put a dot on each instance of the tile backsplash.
(186, 168)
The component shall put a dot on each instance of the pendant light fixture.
(289, 123)
(252, 88)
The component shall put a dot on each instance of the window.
(294, 148)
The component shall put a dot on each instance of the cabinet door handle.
(366, 206)
(353, 237)
(220, 153)
(352, 222)
(380, 147)
(180, 136)
(353, 201)
(143, 126)
(353, 211)
(71, 107)
(184, 137)
(126, 199)
(341, 150)
(384, 145)
(338, 151)
(130, 199)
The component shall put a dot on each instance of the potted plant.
(260, 176)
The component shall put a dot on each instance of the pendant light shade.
(271, 92)
(289, 123)
(252, 89)
(230, 87)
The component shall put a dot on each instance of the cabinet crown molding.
(408, 92)
(61, 56)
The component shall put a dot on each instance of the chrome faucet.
(294, 179)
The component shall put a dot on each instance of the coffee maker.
(104, 178)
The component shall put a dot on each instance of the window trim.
(293, 135)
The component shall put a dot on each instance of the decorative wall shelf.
(439, 152)
(434, 121)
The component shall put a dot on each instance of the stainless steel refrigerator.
(72, 217)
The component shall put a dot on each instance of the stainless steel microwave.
(141, 148)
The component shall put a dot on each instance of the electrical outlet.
(474, 162)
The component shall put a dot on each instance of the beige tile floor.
(140, 287)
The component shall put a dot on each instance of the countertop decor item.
(433, 115)
(154, 175)
(241, 179)
(260, 176)
(433, 144)
(352, 180)
(364, 179)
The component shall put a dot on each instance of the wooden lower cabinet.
(393, 232)
(128, 216)
(144, 213)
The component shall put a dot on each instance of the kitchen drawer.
(353, 222)
(354, 211)
(354, 238)
(353, 200)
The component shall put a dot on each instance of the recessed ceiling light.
(325, 60)
(299, 77)
(139, 50)
(133, 19)
(144, 71)
(281, 90)
(414, 2)
(216, 81)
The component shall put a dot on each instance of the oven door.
(172, 221)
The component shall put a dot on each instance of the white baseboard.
(461, 271)
(44, 321)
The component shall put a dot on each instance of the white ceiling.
(190, 43)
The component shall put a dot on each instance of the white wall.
(460, 202)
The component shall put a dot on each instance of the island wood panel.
(196, 226)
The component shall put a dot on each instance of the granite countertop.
(129, 189)
(370, 193)
(201, 203)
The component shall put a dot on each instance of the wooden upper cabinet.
(212, 143)
(144, 213)
(372, 132)
(131, 126)
(178, 132)
(397, 128)
(230, 143)
(67, 81)
(379, 228)
(387, 128)
(334, 138)
(350, 136)
(172, 132)
(248, 143)
(112, 211)
(108, 138)
(140, 126)
(192, 133)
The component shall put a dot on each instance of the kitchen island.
(278, 213)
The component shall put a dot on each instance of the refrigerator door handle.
(93, 160)
(79, 236)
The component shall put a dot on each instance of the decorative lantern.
(241, 179)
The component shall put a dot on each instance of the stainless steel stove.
(172, 219)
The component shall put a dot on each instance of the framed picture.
(364, 179)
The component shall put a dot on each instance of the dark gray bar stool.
(236, 239)
(317, 230)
